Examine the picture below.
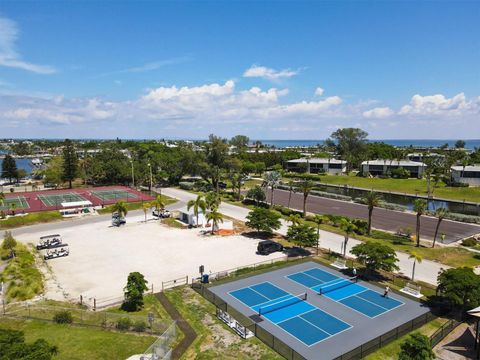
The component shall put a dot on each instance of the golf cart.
(56, 253)
(161, 213)
(50, 242)
(118, 220)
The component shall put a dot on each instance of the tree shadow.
(264, 235)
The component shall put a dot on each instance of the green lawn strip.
(451, 256)
(30, 219)
(392, 350)
(151, 305)
(408, 186)
(215, 340)
(80, 343)
(23, 279)
(137, 205)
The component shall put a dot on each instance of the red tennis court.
(33, 201)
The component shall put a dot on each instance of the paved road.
(382, 219)
(426, 271)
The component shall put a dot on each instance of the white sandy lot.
(101, 256)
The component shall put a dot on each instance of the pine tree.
(9, 168)
(70, 162)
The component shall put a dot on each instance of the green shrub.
(362, 226)
(33, 218)
(186, 185)
(400, 173)
(463, 218)
(139, 326)
(469, 242)
(123, 324)
(63, 317)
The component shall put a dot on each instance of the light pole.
(133, 175)
(150, 167)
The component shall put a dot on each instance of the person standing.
(387, 290)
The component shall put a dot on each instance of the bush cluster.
(63, 317)
(470, 242)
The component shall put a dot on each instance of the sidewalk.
(426, 271)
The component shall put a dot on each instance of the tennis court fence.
(286, 351)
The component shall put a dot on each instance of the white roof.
(76, 203)
(318, 161)
(189, 212)
(467, 168)
(393, 162)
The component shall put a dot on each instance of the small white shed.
(189, 218)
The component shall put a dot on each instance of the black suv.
(268, 246)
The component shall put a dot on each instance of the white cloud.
(319, 91)
(378, 113)
(9, 57)
(268, 73)
(150, 66)
(440, 105)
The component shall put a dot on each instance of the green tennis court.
(115, 194)
(57, 199)
(19, 201)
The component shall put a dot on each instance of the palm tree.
(146, 206)
(212, 200)
(371, 199)
(197, 204)
(440, 213)
(158, 203)
(120, 207)
(215, 217)
(295, 219)
(319, 220)
(305, 187)
(348, 228)
(291, 189)
(416, 258)
(271, 179)
(419, 206)
(2, 198)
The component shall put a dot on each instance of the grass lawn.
(451, 256)
(214, 339)
(409, 186)
(29, 219)
(151, 304)
(137, 205)
(392, 350)
(80, 343)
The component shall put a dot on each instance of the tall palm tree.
(212, 200)
(419, 206)
(158, 203)
(145, 207)
(215, 217)
(371, 199)
(197, 204)
(295, 219)
(271, 179)
(319, 220)
(291, 189)
(440, 213)
(417, 258)
(120, 207)
(305, 187)
(348, 228)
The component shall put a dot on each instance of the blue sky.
(277, 70)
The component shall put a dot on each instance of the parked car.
(161, 213)
(268, 247)
(118, 220)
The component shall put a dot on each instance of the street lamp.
(133, 175)
(150, 167)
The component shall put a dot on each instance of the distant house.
(467, 175)
(419, 157)
(317, 165)
(384, 167)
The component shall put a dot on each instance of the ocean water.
(469, 144)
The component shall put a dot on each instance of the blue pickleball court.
(292, 313)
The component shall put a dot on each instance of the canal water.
(405, 200)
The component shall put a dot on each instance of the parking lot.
(101, 256)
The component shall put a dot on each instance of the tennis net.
(338, 285)
(282, 304)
